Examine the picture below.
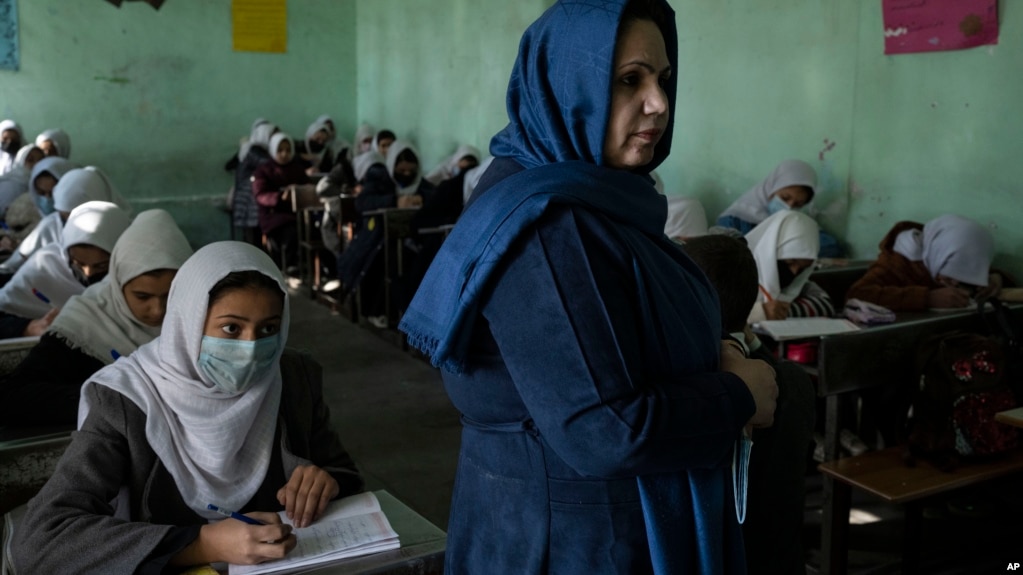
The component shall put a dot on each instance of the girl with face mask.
(11, 140)
(405, 169)
(790, 186)
(109, 320)
(214, 410)
(785, 246)
(15, 182)
(272, 185)
(60, 270)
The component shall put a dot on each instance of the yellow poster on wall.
(260, 25)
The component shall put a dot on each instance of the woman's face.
(90, 263)
(245, 314)
(45, 184)
(405, 172)
(146, 296)
(639, 105)
(383, 145)
(48, 147)
(794, 196)
(10, 140)
(283, 153)
(33, 158)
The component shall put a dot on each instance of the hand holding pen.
(39, 326)
(242, 540)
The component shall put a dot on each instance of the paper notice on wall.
(930, 25)
(260, 25)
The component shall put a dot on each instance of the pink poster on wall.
(930, 25)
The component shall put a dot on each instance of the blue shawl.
(559, 100)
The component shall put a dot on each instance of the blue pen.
(40, 295)
(234, 515)
(117, 356)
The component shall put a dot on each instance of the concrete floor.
(395, 419)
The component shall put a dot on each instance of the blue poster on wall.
(8, 34)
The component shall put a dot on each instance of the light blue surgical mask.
(776, 205)
(45, 204)
(234, 365)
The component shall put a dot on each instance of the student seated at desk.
(11, 141)
(271, 185)
(382, 142)
(465, 158)
(785, 246)
(55, 142)
(363, 141)
(359, 265)
(30, 301)
(109, 320)
(772, 533)
(403, 165)
(44, 177)
(214, 411)
(317, 150)
(939, 265)
(14, 183)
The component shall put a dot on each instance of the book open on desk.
(350, 527)
(803, 328)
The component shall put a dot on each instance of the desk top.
(1012, 417)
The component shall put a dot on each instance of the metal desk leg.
(911, 537)
(835, 527)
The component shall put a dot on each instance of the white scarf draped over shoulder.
(959, 248)
(47, 272)
(783, 236)
(215, 445)
(99, 321)
(752, 206)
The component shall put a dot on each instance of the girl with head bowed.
(785, 246)
(790, 186)
(465, 158)
(108, 321)
(601, 409)
(272, 185)
(213, 411)
(55, 142)
(60, 270)
(943, 264)
(363, 141)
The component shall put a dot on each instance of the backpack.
(961, 388)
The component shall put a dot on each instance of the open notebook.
(350, 527)
(801, 328)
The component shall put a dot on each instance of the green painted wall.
(159, 99)
(913, 136)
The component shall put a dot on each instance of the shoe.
(378, 321)
(852, 443)
(331, 285)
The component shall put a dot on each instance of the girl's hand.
(234, 541)
(776, 309)
(994, 287)
(306, 494)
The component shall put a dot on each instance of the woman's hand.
(413, 201)
(776, 309)
(234, 541)
(307, 493)
(759, 377)
(948, 297)
(994, 287)
(39, 326)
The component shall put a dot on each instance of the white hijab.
(88, 184)
(99, 322)
(15, 182)
(473, 177)
(215, 445)
(49, 228)
(60, 140)
(247, 142)
(275, 143)
(686, 218)
(319, 124)
(7, 160)
(365, 132)
(782, 236)
(752, 206)
(959, 248)
(364, 161)
(393, 152)
(48, 271)
(53, 165)
(447, 167)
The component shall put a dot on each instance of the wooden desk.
(836, 276)
(397, 227)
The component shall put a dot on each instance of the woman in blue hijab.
(583, 348)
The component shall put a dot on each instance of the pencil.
(767, 295)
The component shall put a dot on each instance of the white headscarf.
(365, 132)
(83, 185)
(910, 244)
(752, 206)
(48, 271)
(49, 228)
(393, 152)
(99, 322)
(447, 167)
(783, 236)
(53, 165)
(686, 218)
(364, 161)
(7, 160)
(472, 178)
(275, 143)
(260, 137)
(216, 446)
(319, 124)
(327, 122)
(959, 248)
(60, 140)
(15, 182)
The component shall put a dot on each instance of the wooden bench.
(885, 475)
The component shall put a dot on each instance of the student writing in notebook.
(215, 410)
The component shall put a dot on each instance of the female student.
(54, 273)
(364, 139)
(11, 139)
(272, 184)
(41, 184)
(254, 153)
(15, 182)
(465, 158)
(382, 142)
(785, 246)
(55, 142)
(940, 264)
(214, 411)
(582, 347)
(790, 186)
(316, 149)
(109, 320)
(686, 218)
(404, 167)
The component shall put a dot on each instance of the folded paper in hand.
(349, 527)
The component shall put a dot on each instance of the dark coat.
(894, 281)
(268, 183)
(69, 526)
(244, 210)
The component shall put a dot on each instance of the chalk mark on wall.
(9, 56)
